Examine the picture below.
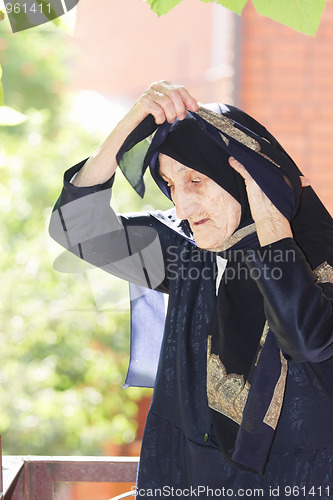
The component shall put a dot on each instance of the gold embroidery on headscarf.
(226, 125)
(227, 393)
(269, 159)
(273, 413)
(324, 273)
(225, 139)
(237, 236)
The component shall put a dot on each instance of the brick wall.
(286, 82)
(283, 78)
(122, 46)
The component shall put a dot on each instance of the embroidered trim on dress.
(324, 273)
(237, 236)
(228, 393)
(273, 413)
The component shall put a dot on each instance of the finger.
(174, 99)
(305, 181)
(166, 104)
(239, 168)
(190, 102)
(178, 103)
(162, 97)
(181, 97)
(148, 105)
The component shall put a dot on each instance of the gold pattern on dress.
(324, 273)
(262, 341)
(227, 126)
(273, 413)
(228, 393)
(237, 236)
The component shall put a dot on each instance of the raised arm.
(83, 221)
(163, 100)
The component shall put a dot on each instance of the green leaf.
(9, 116)
(234, 5)
(161, 7)
(301, 15)
(67, 22)
(1, 89)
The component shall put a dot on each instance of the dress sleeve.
(298, 304)
(130, 247)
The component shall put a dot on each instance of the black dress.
(180, 454)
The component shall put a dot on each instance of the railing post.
(34, 478)
(39, 483)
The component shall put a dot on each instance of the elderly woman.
(243, 396)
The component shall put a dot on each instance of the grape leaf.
(234, 5)
(161, 7)
(301, 15)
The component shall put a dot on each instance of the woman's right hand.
(165, 101)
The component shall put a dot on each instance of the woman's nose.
(185, 205)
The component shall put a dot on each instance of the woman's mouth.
(199, 222)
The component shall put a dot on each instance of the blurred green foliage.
(300, 15)
(62, 361)
(1, 91)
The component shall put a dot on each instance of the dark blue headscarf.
(204, 141)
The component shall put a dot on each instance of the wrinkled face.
(212, 212)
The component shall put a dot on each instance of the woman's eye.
(195, 181)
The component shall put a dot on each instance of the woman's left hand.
(271, 225)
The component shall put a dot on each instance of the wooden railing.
(34, 477)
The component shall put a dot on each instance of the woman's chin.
(208, 244)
